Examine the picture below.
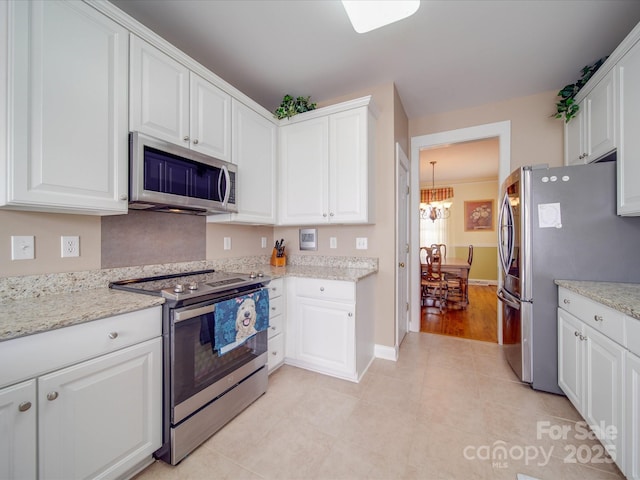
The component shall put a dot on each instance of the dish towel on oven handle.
(239, 318)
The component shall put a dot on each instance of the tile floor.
(437, 413)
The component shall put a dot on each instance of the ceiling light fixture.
(367, 15)
(436, 202)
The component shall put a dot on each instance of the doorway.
(501, 130)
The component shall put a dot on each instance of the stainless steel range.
(205, 386)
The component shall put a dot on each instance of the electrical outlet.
(333, 242)
(22, 247)
(263, 242)
(361, 243)
(227, 243)
(70, 246)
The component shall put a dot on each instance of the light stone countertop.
(28, 316)
(37, 303)
(624, 297)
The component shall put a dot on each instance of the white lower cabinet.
(97, 414)
(329, 326)
(591, 368)
(632, 416)
(276, 324)
(18, 430)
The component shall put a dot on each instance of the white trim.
(502, 130)
(480, 281)
(385, 352)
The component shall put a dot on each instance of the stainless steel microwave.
(168, 178)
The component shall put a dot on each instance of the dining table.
(459, 267)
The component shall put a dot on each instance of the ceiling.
(458, 163)
(451, 54)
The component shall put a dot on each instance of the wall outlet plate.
(69, 246)
(362, 243)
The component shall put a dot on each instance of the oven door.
(199, 374)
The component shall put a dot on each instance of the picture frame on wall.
(478, 216)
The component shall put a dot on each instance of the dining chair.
(458, 293)
(441, 248)
(433, 281)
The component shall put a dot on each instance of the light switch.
(22, 247)
(263, 242)
(361, 243)
(227, 243)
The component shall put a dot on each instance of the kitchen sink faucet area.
(449, 408)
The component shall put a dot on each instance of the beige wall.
(47, 229)
(245, 240)
(535, 136)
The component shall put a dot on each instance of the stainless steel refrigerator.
(556, 223)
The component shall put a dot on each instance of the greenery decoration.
(567, 106)
(292, 106)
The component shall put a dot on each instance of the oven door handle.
(194, 312)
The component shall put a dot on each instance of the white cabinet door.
(18, 431)
(103, 416)
(254, 152)
(570, 371)
(349, 167)
(159, 94)
(304, 172)
(629, 140)
(601, 135)
(632, 416)
(67, 115)
(326, 335)
(603, 389)
(574, 138)
(210, 121)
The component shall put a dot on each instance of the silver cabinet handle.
(566, 301)
(274, 353)
(186, 138)
(350, 314)
(324, 215)
(322, 289)
(273, 308)
(401, 264)
(576, 333)
(583, 337)
(51, 396)
(113, 335)
(331, 214)
(598, 318)
(124, 196)
(272, 327)
(24, 406)
(195, 142)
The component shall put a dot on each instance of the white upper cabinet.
(628, 157)
(591, 134)
(326, 165)
(254, 152)
(170, 102)
(66, 71)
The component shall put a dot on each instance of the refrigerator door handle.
(509, 299)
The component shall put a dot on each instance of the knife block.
(278, 261)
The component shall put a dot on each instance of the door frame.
(403, 274)
(502, 130)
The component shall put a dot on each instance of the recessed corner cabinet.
(254, 145)
(326, 165)
(64, 82)
(170, 102)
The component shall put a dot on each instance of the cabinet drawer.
(276, 351)
(276, 287)
(606, 320)
(633, 334)
(276, 306)
(276, 325)
(326, 289)
(34, 355)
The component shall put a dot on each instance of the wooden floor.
(477, 321)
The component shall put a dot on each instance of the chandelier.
(434, 202)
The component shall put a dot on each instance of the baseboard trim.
(385, 352)
(480, 281)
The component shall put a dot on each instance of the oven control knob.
(260, 274)
(179, 288)
(193, 286)
(252, 275)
